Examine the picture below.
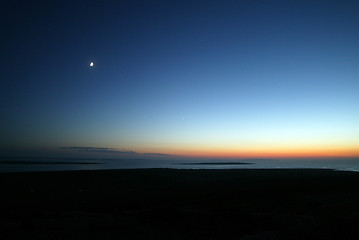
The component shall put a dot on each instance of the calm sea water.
(28, 164)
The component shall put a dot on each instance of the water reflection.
(23, 164)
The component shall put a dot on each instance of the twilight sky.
(193, 78)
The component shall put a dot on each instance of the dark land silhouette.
(180, 204)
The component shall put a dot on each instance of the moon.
(91, 64)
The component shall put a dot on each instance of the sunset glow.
(205, 79)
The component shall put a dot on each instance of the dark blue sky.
(181, 77)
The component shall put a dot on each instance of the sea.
(41, 164)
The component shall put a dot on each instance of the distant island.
(217, 163)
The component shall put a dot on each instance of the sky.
(201, 78)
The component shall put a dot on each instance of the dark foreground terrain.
(180, 204)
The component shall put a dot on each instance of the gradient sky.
(193, 78)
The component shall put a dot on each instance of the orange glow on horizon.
(274, 152)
